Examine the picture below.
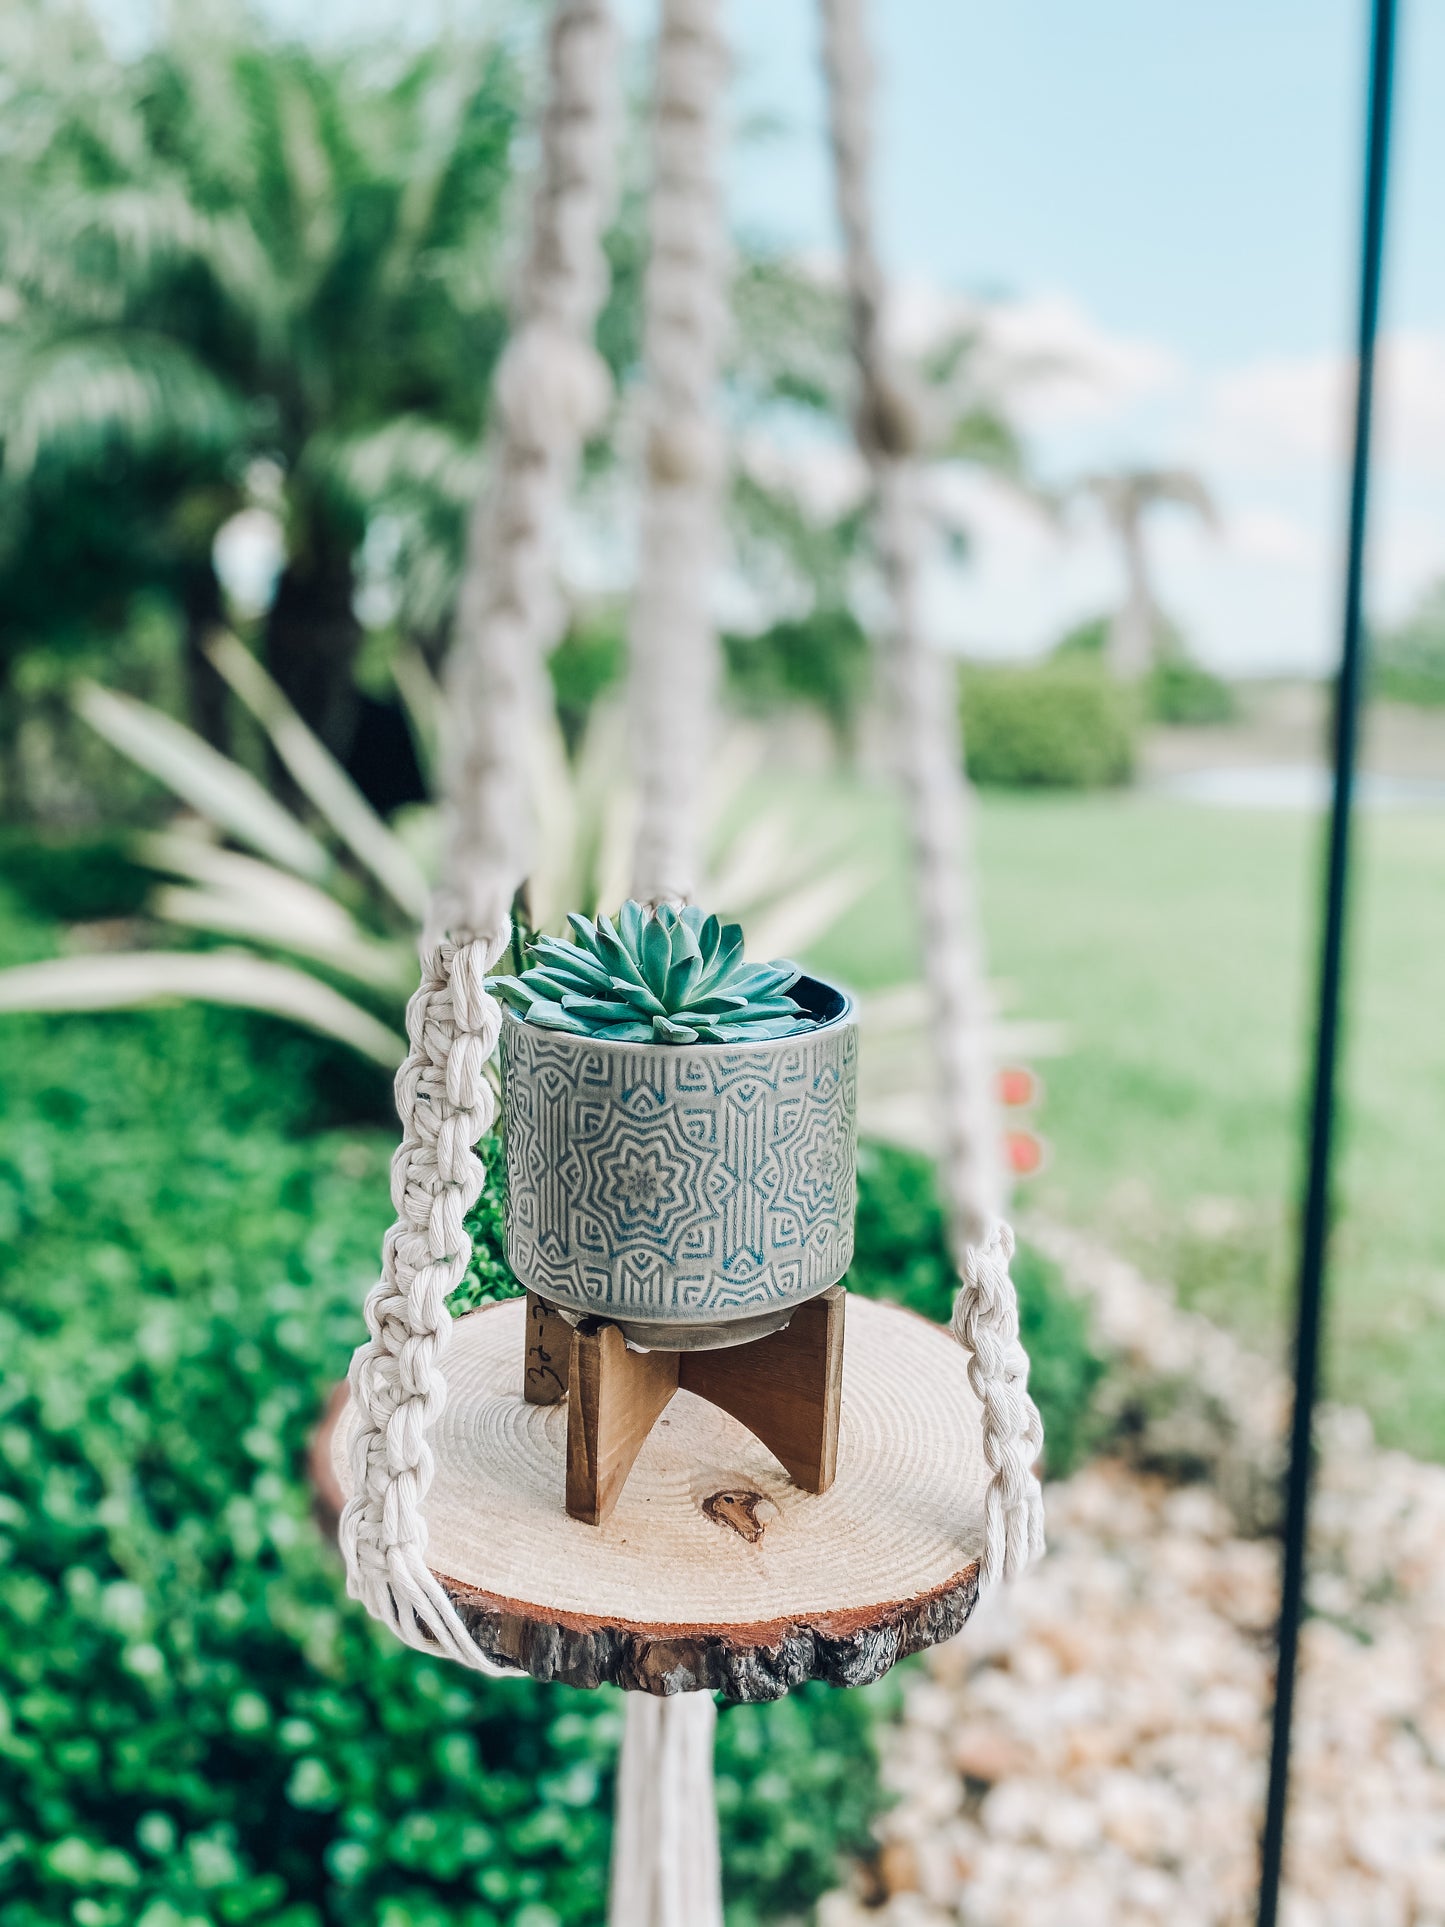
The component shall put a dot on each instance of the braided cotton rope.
(550, 389)
(665, 1859)
(985, 1317)
(666, 1867)
(672, 638)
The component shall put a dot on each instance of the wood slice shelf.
(714, 1571)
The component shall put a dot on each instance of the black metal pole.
(1316, 1212)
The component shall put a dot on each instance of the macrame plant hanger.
(551, 387)
(550, 391)
(666, 1863)
(930, 768)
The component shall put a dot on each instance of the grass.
(1177, 945)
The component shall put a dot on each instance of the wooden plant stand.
(715, 1571)
(786, 1389)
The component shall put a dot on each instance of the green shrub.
(73, 879)
(1176, 690)
(1179, 691)
(589, 662)
(1089, 639)
(822, 660)
(1060, 724)
(196, 1726)
(1409, 660)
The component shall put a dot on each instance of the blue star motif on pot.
(642, 1185)
(642, 1176)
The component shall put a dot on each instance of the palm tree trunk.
(312, 636)
(1132, 633)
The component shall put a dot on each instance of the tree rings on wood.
(714, 1572)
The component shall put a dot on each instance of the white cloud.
(1271, 535)
(1069, 368)
(1053, 359)
(1283, 412)
(1269, 436)
(1277, 413)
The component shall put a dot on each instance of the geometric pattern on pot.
(680, 1183)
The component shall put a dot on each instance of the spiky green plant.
(662, 976)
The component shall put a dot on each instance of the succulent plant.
(661, 976)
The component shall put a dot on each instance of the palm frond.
(348, 952)
(321, 778)
(219, 789)
(445, 90)
(240, 896)
(191, 853)
(1127, 494)
(102, 252)
(312, 173)
(790, 339)
(81, 398)
(126, 981)
(407, 456)
(984, 438)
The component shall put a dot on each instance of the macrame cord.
(665, 1855)
(551, 388)
(673, 647)
(985, 1314)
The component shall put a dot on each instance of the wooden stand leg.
(549, 1352)
(617, 1396)
(787, 1388)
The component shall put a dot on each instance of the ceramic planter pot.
(693, 1193)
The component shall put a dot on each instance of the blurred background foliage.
(1063, 724)
(1409, 659)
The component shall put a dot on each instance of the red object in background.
(1017, 1087)
(1025, 1153)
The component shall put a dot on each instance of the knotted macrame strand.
(665, 1859)
(985, 1317)
(551, 388)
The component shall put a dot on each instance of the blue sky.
(1190, 173)
(1178, 188)
(1167, 195)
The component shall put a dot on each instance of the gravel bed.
(1092, 1749)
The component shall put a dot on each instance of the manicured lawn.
(1177, 945)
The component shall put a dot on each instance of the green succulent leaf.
(670, 1032)
(671, 976)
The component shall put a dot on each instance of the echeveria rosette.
(655, 976)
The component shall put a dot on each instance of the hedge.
(1408, 662)
(822, 660)
(1062, 724)
(1177, 689)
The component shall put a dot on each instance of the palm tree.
(792, 359)
(231, 250)
(1127, 497)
